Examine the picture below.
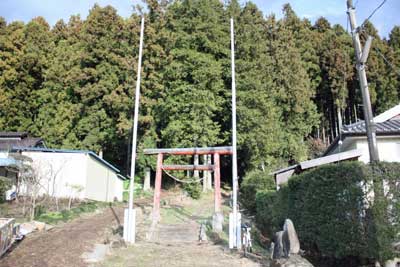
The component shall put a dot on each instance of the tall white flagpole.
(234, 150)
(129, 222)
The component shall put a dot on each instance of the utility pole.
(129, 215)
(361, 58)
(234, 233)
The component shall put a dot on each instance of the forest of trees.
(73, 83)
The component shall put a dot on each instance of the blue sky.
(333, 10)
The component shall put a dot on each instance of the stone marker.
(293, 261)
(217, 222)
(278, 251)
(146, 184)
(286, 248)
(290, 237)
(393, 263)
(202, 233)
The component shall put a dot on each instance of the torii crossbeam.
(216, 151)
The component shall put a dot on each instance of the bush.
(193, 189)
(254, 181)
(271, 210)
(334, 212)
(5, 185)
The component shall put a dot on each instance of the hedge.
(254, 181)
(339, 210)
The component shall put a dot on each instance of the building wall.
(102, 183)
(60, 174)
(388, 149)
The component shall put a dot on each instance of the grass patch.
(173, 215)
(67, 215)
(137, 193)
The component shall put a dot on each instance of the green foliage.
(271, 210)
(385, 214)
(5, 185)
(73, 84)
(193, 188)
(339, 210)
(138, 191)
(67, 215)
(254, 181)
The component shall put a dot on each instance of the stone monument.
(286, 248)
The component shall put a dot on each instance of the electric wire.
(373, 13)
(394, 68)
(391, 65)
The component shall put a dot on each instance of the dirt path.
(174, 242)
(64, 244)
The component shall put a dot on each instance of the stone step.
(176, 233)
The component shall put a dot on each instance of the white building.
(77, 173)
(352, 144)
(61, 173)
(354, 136)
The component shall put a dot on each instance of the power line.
(373, 12)
(387, 61)
(393, 67)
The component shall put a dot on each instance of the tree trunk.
(32, 217)
(339, 114)
(70, 202)
(57, 204)
(355, 113)
(24, 206)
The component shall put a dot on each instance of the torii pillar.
(157, 188)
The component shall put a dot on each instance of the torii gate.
(216, 151)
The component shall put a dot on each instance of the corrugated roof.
(388, 114)
(304, 165)
(386, 127)
(9, 144)
(49, 150)
(8, 162)
(13, 134)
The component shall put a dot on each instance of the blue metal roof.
(8, 162)
(91, 153)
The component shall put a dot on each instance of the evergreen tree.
(259, 127)
(293, 91)
(194, 87)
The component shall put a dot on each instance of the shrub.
(5, 185)
(193, 189)
(254, 181)
(271, 210)
(384, 224)
(327, 206)
(339, 210)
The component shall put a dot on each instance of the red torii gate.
(216, 151)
